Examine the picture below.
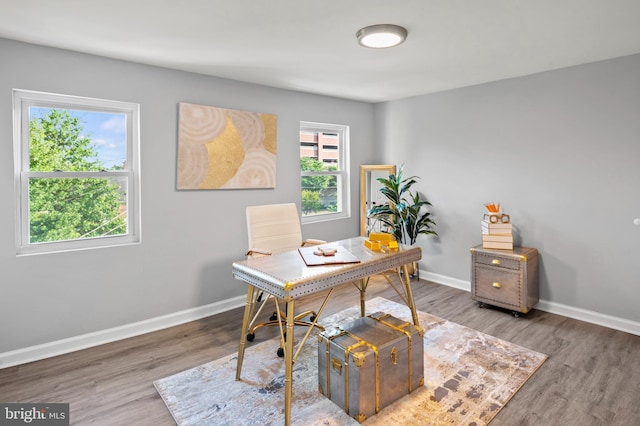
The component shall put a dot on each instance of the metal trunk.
(367, 364)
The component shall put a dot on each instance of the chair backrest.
(274, 227)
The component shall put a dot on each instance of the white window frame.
(22, 101)
(344, 192)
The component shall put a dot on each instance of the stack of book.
(497, 235)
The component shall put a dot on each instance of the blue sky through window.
(106, 130)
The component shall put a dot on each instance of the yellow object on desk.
(391, 245)
(379, 241)
(372, 245)
(383, 237)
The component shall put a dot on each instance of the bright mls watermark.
(34, 414)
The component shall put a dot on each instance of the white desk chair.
(275, 228)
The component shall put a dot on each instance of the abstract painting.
(221, 148)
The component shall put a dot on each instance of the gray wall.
(559, 150)
(190, 238)
(553, 148)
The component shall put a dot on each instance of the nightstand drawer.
(496, 260)
(498, 286)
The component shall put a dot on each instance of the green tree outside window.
(69, 208)
(313, 187)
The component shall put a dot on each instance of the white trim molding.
(616, 323)
(72, 344)
(593, 317)
(445, 280)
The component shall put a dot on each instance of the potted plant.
(405, 215)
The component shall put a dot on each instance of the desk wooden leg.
(248, 308)
(409, 294)
(288, 363)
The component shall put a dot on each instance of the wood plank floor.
(592, 375)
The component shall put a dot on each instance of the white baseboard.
(72, 344)
(585, 315)
(445, 280)
(593, 317)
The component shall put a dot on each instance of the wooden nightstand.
(505, 278)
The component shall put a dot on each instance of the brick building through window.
(321, 146)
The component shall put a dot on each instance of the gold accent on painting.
(226, 154)
(270, 126)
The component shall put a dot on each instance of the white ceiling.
(310, 45)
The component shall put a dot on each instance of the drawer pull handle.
(496, 285)
(495, 261)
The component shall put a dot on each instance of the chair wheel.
(280, 352)
(273, 316)
(251, 336)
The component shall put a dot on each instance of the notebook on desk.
(312, 256)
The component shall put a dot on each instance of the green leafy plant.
(405, 215)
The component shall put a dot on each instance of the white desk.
(287, 277)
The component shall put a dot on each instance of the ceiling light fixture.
(381, 36)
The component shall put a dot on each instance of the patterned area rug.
(469, 377)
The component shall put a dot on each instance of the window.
(324, 170)
(76, 172)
